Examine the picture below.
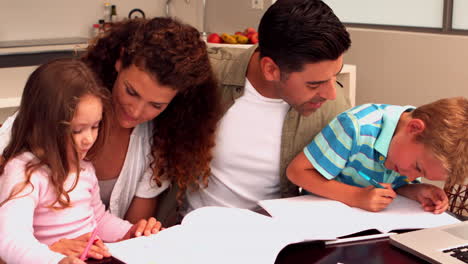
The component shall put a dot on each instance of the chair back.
(457, 195)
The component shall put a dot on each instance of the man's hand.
(75, 247)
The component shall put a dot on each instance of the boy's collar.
(391, 117)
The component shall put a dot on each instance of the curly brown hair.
(175, 55)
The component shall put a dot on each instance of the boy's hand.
(432, 198)
(143, 227)
(376, 199)
(75, 247)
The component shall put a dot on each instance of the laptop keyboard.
(460, 253)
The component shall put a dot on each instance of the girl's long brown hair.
(176, 56)
(41, 127)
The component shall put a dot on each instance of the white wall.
(390, 12)
(229, 16)
(398, 67)
(6, 112)
(188, 11)
(35, 19)
(403, 68)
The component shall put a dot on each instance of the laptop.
(445, 244)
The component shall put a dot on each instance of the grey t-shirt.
(105, 190)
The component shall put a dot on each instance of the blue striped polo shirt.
(357, 140)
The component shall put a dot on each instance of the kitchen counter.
(17, 63)
(31, 46)
(13, 79)
(19, 53)
(39, 49)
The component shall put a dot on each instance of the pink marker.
(90, 243)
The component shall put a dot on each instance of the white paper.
(210, 235)
(333, 218)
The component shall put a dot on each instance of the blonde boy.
(391, 146)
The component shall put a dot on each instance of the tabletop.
(372, 251)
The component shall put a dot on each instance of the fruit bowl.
(248, 36)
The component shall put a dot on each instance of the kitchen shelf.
(13, 79)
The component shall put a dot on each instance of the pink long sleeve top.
(28, 226)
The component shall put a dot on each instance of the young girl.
(166, 105)
(48, 189)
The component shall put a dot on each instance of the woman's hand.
(143, 227)
(75, 247)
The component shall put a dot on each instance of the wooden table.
(371, 251)
(377, 251)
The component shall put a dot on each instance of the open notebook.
(210, 235)
(231, 235)
(310, 212)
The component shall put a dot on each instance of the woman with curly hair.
(165, 108)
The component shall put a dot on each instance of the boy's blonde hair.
(446, 134)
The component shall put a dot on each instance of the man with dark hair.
(276, 99)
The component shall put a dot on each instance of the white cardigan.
(134, 178)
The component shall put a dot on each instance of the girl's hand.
(143, 227)
(75, 247)
(71, 260)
